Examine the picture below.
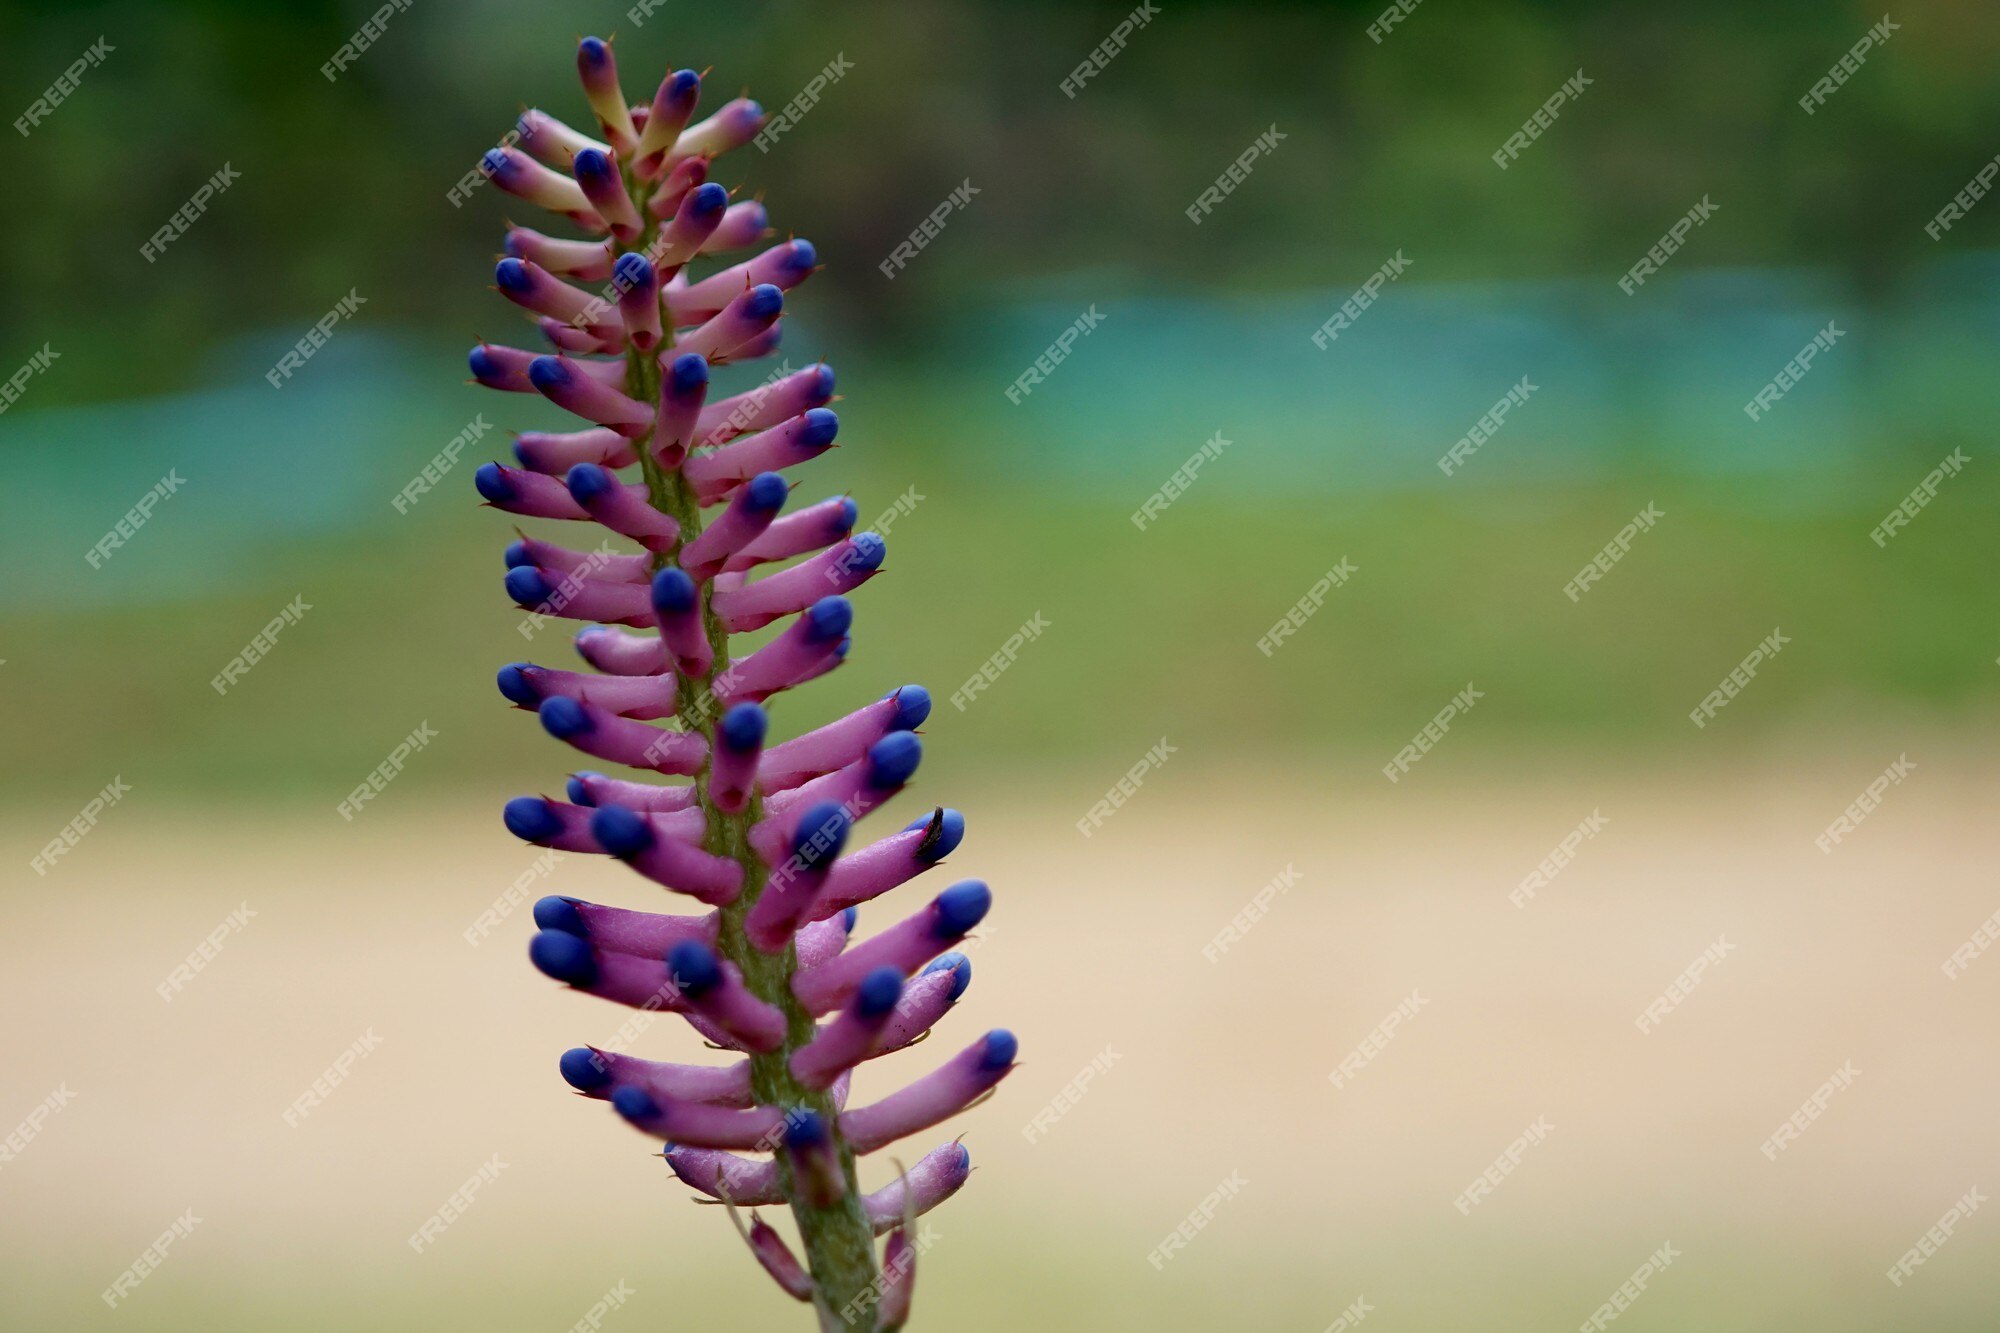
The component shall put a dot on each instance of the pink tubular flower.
(682, 492)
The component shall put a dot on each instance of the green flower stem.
(839, 1242)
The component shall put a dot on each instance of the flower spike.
(738, 803)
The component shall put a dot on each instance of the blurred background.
(1238, 922)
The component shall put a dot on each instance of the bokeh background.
(1209, 1065)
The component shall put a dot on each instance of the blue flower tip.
(893, 759)
(494, 487)
(631, 269)
(512, 275)
(960, 967)
(564, 718)
(592, 49)
(913, 705)
(709, 198)
(743, 727)
(804, 1129)
(821, 833)
(482, 362)
(495, 160)
(673, 592)
(517, 553)
(619, 831)
(849, 917)
(1001, 1048)
(689, 372)
(945, 829)
(526, 586)
(822, 389)
(801, 256)
(518, 686)
(684, 81)
(828, 618)
(530, 819)
(764, 300)
(878, 992)
(962, 906)
(766, 493)
(635, 1104)
(821, 425)
(849, 512)
(578, 788)
(562, 956)
(588, 482)
(582, 1069)
(869, 550)
(548, 373)
(694, 968)
(964, 1158)
(595, 162)
(559, 912)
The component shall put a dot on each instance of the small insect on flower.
(682, 493)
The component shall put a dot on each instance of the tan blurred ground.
(1219, 1067)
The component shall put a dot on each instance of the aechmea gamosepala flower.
(677, 492)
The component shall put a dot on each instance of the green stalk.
(839, 1242)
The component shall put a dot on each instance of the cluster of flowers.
(758, 836)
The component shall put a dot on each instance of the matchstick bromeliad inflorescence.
(688, 491)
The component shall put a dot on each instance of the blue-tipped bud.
(673, 592)
(548, 373)
(635, 1104)
(822, 832)
(893, 759)
(944, 830)
(743, 727)
(688, 373)
(579, 790)
(913, 705)
(801, 256)
(594, 162)
(493, 484)
(1001, 1048)
(557, 912)
(583, 1070)
(961, 907)
(512, 275)
(822, 424)
(620, 832)
(878, 992)
(631, 270)
(495, 162)
(765, 300)
(766, 493)
(563, 957)
(683, 84)
(868, 551)
(517, 555)
(563, 718)
(516, 686)
(960, 967)
(482, 363)
(530, 819)
(849, 917)
(849, 513)
(593, 50)
(694, 968)
(708, 199)
(828, 618)
(823, 382)
(526, 586)
(588, 481)
(804, 1129)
